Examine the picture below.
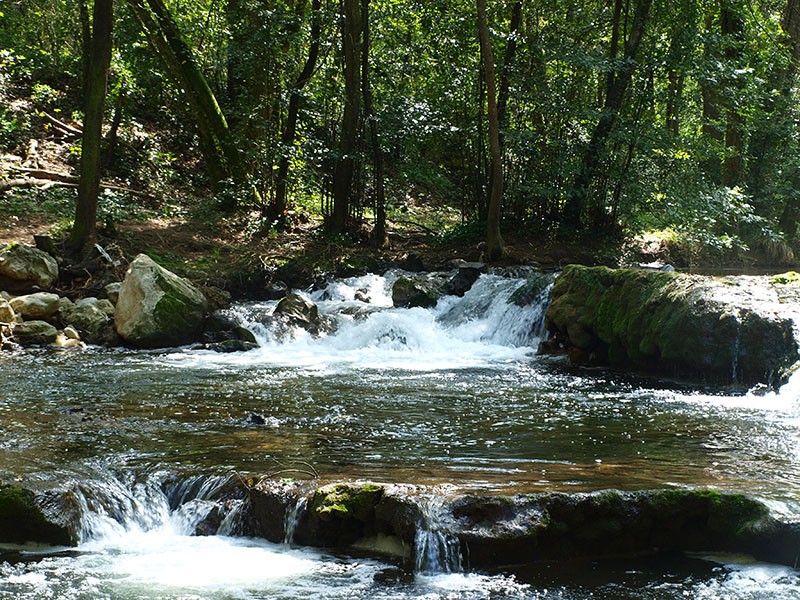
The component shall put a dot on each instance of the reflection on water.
(447, 395)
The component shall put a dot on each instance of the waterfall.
(436, 549)
(489, 326)
(294, 513)
(112, 505)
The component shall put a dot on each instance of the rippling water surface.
(455, 395)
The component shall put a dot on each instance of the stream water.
(452, 396)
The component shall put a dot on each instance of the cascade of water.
(112, 505)
(437, 549)
(109, 506)
(294, 513)
(490, 324)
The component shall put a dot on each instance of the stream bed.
(454, 396)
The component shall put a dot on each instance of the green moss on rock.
(667, 323)
(22, 520)
(348, 501)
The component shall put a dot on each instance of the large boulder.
(22, 267)
(41, 305)
(156, 308)
(719, 330)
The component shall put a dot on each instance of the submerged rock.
(22, 267)
(671, 324)
(156, 308)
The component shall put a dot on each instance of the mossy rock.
(669, 324)
(408, 293)
(156, 308)
(348, 501)
(23, 520)
(788, 278)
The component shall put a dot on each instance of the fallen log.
(45, 179)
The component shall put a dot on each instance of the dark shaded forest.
(615, 119)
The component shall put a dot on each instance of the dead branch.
(66, 128)
(46, 179)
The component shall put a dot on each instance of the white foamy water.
(482, 329)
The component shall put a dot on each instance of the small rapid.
(485, 327)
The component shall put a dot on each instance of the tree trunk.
(344, 171)
(773, 132)
(379, 232)
(732, 29)
(508, 62)
(84, 229)
(223, 159)
(616, 86)
(277, 209)
(494, 241)
(209, 147)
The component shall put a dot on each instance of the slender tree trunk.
(773, 130)
(508, 63)
(278, 207)
(616, 86)
(379, 232)
(86, 41)
(712, 113)
(84, 229)
(674, 95)
(209, 145)
(344, 171)
(222, 155)
(494, 241)
(732, 28)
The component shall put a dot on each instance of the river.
(453, 396)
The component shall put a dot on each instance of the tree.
(84, 229)
(379, 232)
(344, 171)
(617, 82)
(494, 240)
(277, 209)
(223, 159)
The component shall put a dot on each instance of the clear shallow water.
(451, 395)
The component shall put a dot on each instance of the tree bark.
(344, 171)
(84, 229)
(379, 232)
(732, 29)
(277, 209)
(616, 86)
(494, 240)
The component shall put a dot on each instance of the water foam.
(482, 329)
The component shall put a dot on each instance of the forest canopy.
(600, 117)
